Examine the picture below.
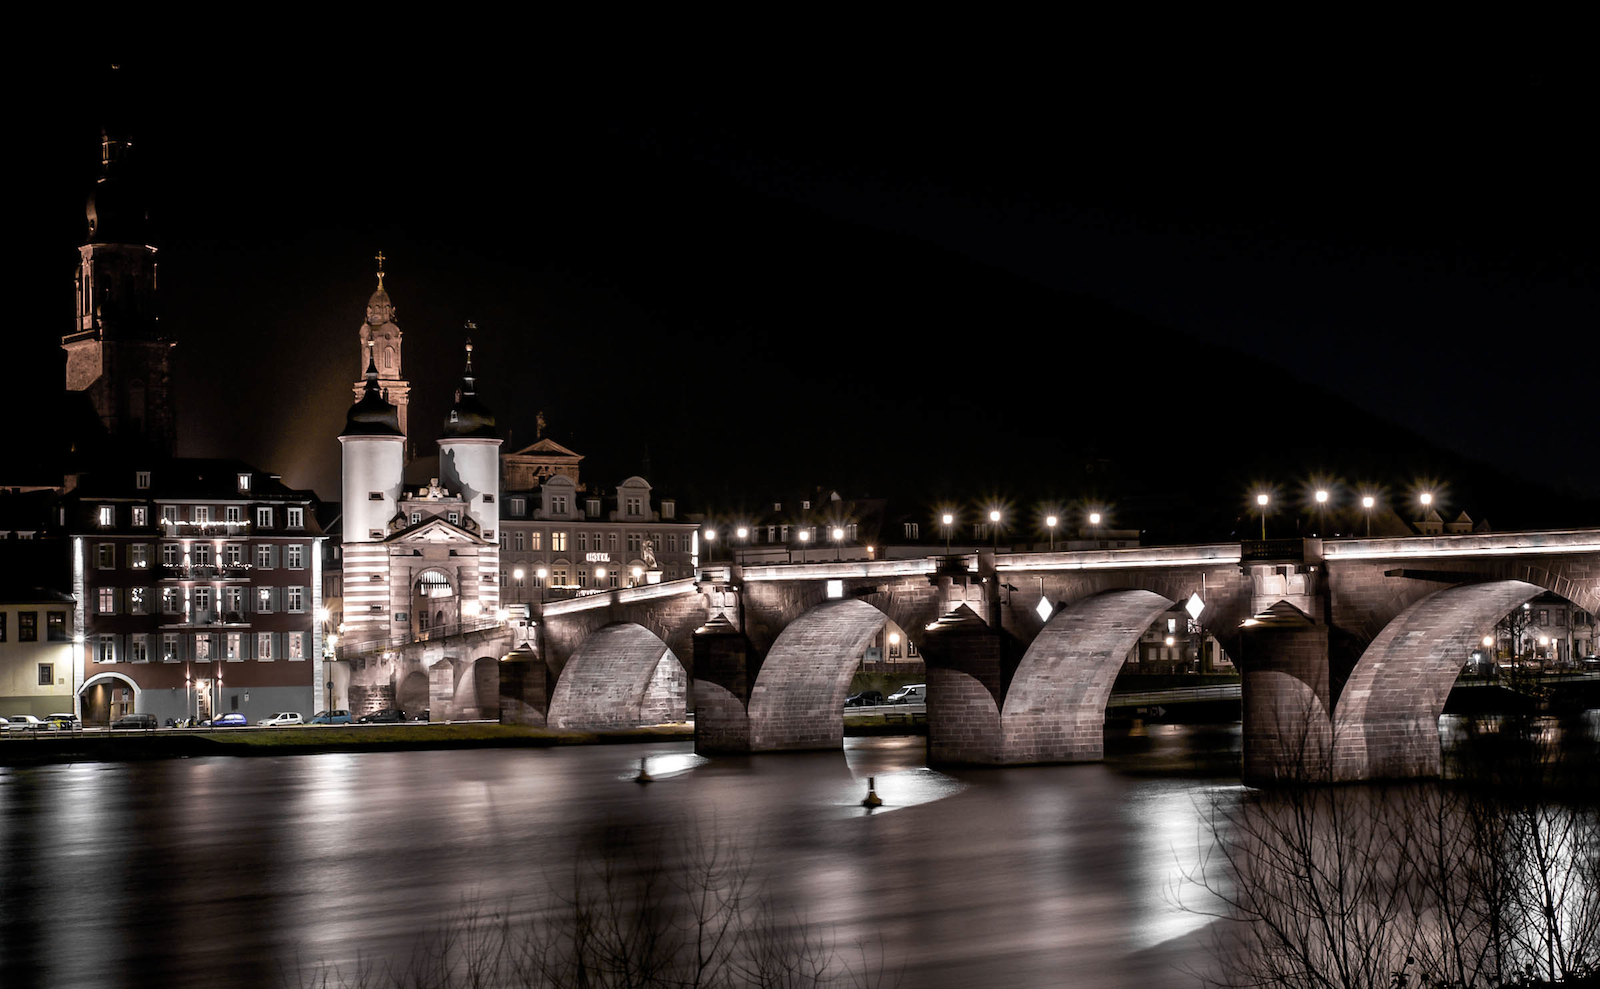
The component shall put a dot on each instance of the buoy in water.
(644, 774)
(872, 798)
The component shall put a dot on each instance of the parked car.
(63, 722)
(233, 719)
(387, 716)
(135, 721)
(422, 715)
(866, 698)
(332, 718)
(281, 720)
(911, 693)
(25, 722)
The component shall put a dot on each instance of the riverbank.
(48, 748)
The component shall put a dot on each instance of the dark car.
(233, 719)
(337, 717)
(135, 721)
(867, 698)
(387, 716)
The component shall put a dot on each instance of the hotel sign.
(597, 558)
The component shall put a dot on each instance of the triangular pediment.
(546, 447)
(435, 530)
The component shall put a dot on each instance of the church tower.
(380, 345)
(374, 460)
(469, 451)
(118, 354)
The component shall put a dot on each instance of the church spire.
(381, 341)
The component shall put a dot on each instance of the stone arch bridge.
(1347, 648)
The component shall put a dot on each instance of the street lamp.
(1367, 501)
(994, 525)
(1050, 523)
(540, 575)
(946, 520)
(1261, 501)
(711, 541)
(805, 537)
(517, 576)
(1322, 503)
(743, 533)
(838, 535)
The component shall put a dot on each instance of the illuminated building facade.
(36, 651)
(200, 583)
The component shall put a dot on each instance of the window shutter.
(277, 555)
(116, 606)
(276, 597)
(121, 648)
(277, 645)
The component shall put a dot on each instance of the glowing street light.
(711, 540)
(541, 574)
(1262, 500)
(838, 536)
(994, 525)
(946, 520)
(1050, 523)
(1322, 502)
(1367, 501)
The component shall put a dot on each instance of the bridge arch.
(411, 694)
(798, 697)
(1055, 706)
(96, 700)
(1386, 721)
(622, 675)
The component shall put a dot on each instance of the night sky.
(910, 277)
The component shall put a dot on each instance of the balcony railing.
(207, 571)
(195, 530)
(1272, 550)
(356, 647)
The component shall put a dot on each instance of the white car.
(281, 719)
(24, 722)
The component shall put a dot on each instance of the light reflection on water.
(177, 871)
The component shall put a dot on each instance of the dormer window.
(635, 506)
(244, 483)
(519, 507)
(558, 504)
(108, 516)
(263, 518)
(805, 506)
(297, 518)
(141, 479)
(669, 509)
(593, 508)
(454, 517)
(455, 416)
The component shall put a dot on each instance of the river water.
(268, 871)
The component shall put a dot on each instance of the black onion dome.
(469, 417)
(372, 416)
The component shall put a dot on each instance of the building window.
(611, 541)
(583, 542)
(202, 646)
(263, 557)
(635, 542)
(611, 575)
(47, 674)
(416, 518)
(105, 649)
(235, 554)
(234, 514)
(374, 495)
(200, 554)
(593, 508)
(171, 601)
(297, 599)
(171, 554)
(583, 578)
(233, 603)
(138, 600)
(297, 645)
(105, 556)
(635, 506)
(2, 626)
(263, 518)
(55, 626)
(912, 530)
(535, 541)
(518, 539)
(139, 556)
(558, 504)
(108, 516)
(669, 509)
(244, 483)
(264, 646)
(519, 506)
(138, 649)
(169, 513)
(141, 516)
(558, 542)
(297, 517)
(141, 479)
(233, 646)
(106, 601)
(169, 647)
(293, 556)
(27, 626)
(202, 600)
(202, 514)
(454, 517)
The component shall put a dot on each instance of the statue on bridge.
(649, 555)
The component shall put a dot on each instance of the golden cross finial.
(379, 259)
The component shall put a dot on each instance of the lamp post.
(994, 526)
(517, 576)
(805, 537)
(1322, 504)
(838, 536)
(540, 575)
(1050, 523)
(711, 544)
(743, 533)
(1094, 526)
(946, 520)
(1261, 501)
(1367, 501)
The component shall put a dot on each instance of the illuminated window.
(108, 515)
(558, 542)
(297, 599)
(244, 483)
(535, 540)
(105, 649)
(263, 518)
(141, 479)
(264, 647)
(141, 516)
(233, 646)
(55, 626)
(107, 601)
(264, 602)
(293, 556)
(138, 600)
(296, 517)
(202, 646)
(202, 514)
(171, 554)
(296, 642)
(235, 514)
(235, 554)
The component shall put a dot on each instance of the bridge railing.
(372, 644)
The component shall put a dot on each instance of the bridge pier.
(1286, 727)
(725, 668)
